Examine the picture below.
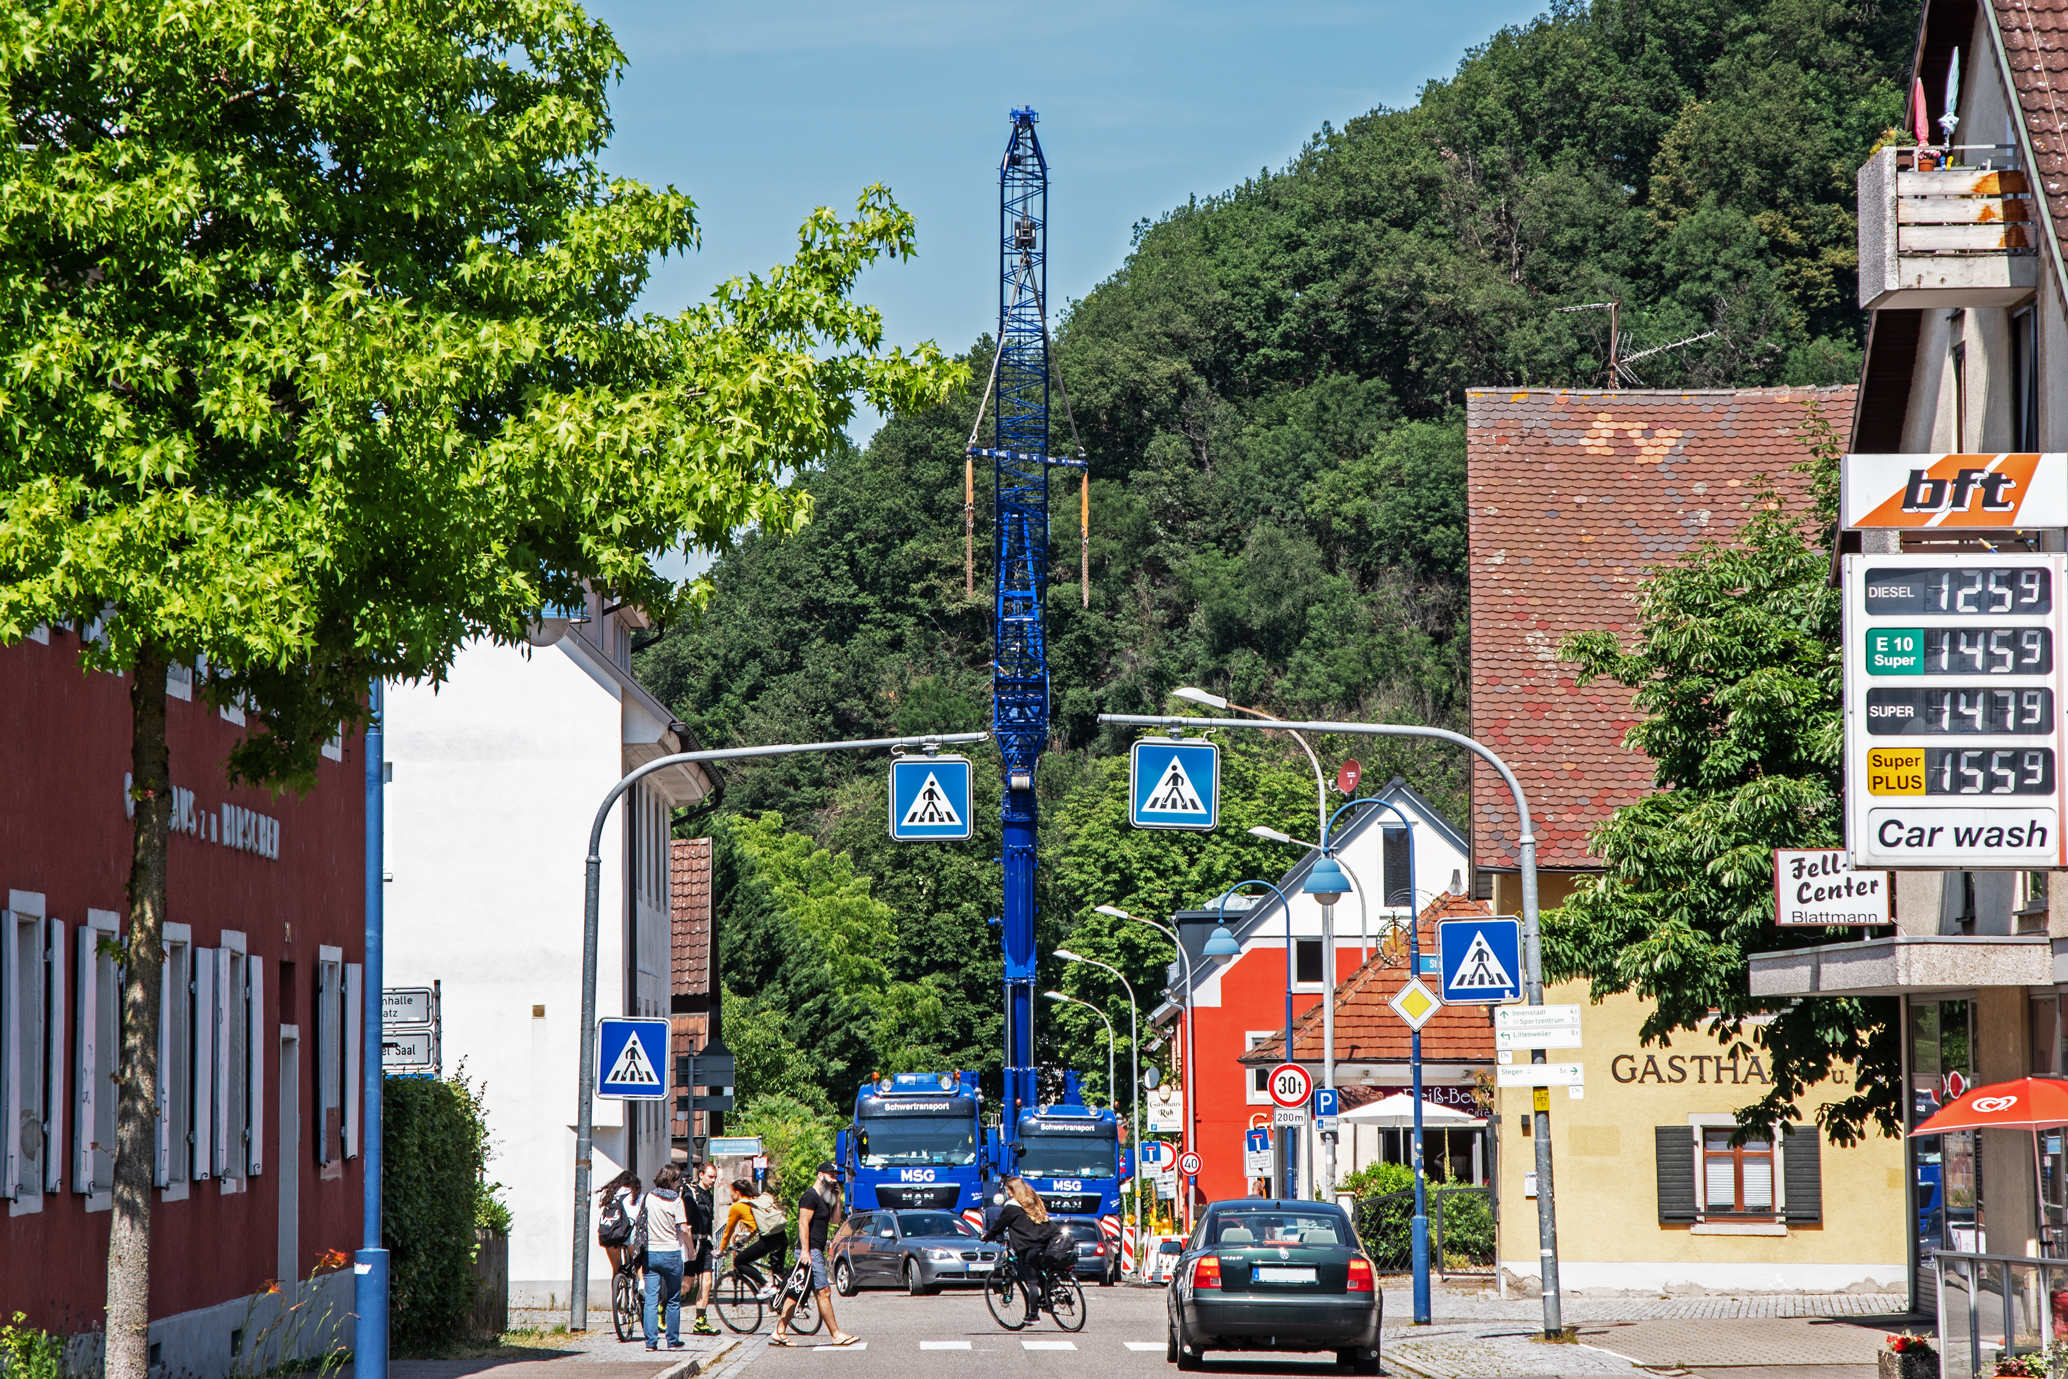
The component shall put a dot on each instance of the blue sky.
(762, 111)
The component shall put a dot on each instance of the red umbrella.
(2025, 1104)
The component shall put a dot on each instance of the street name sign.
(1818, 888)
(632, 1059)
(406, 1005)
(1480, 960)
(1953, 688)
(1414, 1003)
(929, 799)
(1540, 1074)
(1290, 1086)
(734, 1146)
(409, 1051)
(1536, 1027)
(1174, 783)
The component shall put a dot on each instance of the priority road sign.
(1174, 784)
(1291, 1086)
(929, 799)
(1415, 1003)
(1188, 1164)
(1481, 960)
(632, 1059)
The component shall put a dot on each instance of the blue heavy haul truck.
(1072, 1156)
(916, 1140)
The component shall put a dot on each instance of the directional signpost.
(632, 1059)
(410, 1031)
(1481, 960)
(1174, 784)
(1522, 1028)
(929, 799)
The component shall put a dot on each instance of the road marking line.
(944, 1345)
(822, 1349)
(1048, 1345)
(1145, 1345)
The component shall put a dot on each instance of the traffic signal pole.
(585, 1111)
(1532, 945)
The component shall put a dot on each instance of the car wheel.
(913, 1283)
(1170, 1344)
(1355, 1360)
(1188, 1358)
(1110, 1275)
(843, 1279)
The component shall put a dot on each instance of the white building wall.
(497, 775)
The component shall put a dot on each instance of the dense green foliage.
(1269, 391)
(797, 1138)
(1736, 664)
(437, 1147)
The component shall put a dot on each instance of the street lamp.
(1223, 944)
(1327, 882)
(1272, 835)
(1185, 959)
(1072, 1000)
(1134, 1040)
(1207, 699)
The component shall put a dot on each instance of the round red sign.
(1188, 1164)
(1291, 1086)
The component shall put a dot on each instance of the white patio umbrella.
(1397, 1112)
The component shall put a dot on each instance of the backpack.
(616, 1226)
(768, 1217)
(1058, 1251)
(635, 1248)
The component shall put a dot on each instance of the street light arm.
(1320, 781)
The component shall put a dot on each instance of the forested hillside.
(1270, 393)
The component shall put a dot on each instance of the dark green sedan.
(1284, 1276)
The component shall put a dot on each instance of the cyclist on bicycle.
(620, 1205)
(756, 1217)
(1024, 1224)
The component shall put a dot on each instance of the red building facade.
(257, 1164)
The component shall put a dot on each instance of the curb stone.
(697, 1364)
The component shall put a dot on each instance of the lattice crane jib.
(1020, 461)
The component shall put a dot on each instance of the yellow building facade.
(1653, 1199)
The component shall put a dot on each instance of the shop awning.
(2026, 1104)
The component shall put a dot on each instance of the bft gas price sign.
(1952, 710)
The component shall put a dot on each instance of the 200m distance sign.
(1952, 710)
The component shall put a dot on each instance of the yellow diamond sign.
(1415, 1003)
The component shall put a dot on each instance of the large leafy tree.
(1736, 665)
(321, 358)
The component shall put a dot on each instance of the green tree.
(323, 360)
(1737, 666)
(797, 1137)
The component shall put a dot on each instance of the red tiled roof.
(2035, 44)
(689, 901)
(1367, 1030)
(1573, 496)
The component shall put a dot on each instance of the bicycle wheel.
(1066, 1303)
(627, 1308)
(806, 1320)
(1002, 1295)
(737, 1306)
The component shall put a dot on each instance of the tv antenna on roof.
(1619, 364)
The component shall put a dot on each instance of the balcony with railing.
(1946, 228)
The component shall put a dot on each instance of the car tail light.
(1360, 1276)
(1098, 1249)
(1206, 1271)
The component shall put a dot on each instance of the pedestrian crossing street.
(966, 1345)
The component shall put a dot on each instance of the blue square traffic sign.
(929, 799)
(632, 1059)
(1174, 784)
(1481, 960)
(1324, 1101)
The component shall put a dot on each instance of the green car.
(1283, 1276)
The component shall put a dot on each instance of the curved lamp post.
(1134, 1043)
(1210, 700)
(1223, 945)
(1072, 1000)
(1272, 835)
(1185, 959)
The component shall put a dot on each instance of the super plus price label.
(1952, 695)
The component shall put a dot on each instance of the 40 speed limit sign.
(1291, 1086)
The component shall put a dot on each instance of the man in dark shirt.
(696, 1277)
(818, 1209)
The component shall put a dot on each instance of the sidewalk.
(1775, 1336)
(596, 1355)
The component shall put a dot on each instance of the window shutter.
(355, 1005)
(1802, 1173)
(226, 1001)
(161, 1166)
(1676, 1153)
(201, 1078)
(86, 1083)
(254, 1049)
(10, 1054)
(54, 1057)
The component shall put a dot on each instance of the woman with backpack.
(1024, 1223)
(620, 1201)
(759, 1217)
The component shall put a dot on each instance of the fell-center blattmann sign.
(1953, 687)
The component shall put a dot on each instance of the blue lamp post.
(1223, 940)
(1419, 1227)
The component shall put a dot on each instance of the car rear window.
(1083, 1232)
(1278, 1227)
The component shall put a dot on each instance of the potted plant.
(2022, 1366)
(1909, 1356)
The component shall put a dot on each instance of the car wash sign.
(1953, 704)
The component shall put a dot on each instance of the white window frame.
(173, 1165)
(99, 1045)
(1255, 1081)
(1299, 985)
(32, 1070)
(329, 1069)
(231, 1130)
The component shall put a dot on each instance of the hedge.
(436, 1148)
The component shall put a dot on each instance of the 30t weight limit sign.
(1952, 710)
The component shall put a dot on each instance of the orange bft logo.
(1983, 491)
(1926, 494)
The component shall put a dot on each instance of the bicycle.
(627, 1302)
(738, 1301)
(806, 1320)
(1062, 1296)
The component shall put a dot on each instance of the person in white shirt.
(665, 1221)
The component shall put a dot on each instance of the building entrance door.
(1945, 1191)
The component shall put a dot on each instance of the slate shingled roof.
(1367, 1030)
(689, 902)
(2035, 45)
(1573, 495)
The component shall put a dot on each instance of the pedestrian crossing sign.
(929, 799)
(632, 1059)
(1174, 784)
(1481, 960)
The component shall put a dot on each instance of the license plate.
(1271, 1273)
(980, 1268)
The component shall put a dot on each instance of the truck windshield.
(1065, 1156)
(896, 1141)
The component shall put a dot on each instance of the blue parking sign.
(929, 799)
(632, 1059)
(1481, 960)
(1324, 1101)
(1174, 784)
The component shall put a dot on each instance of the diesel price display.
(1966, 589)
